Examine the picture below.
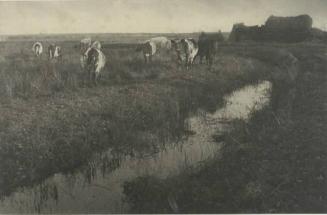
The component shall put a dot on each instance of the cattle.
(96, 44)
(54, 52)
(94, 63)
(162, 43)
(208, 44)
(85, 44)
(148, 49)
(37, 49)
(154, 45)
(186, 50)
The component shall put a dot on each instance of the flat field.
(52, 122)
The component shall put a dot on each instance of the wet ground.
(97, 187)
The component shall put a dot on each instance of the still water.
(97, 187)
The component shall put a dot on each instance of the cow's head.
(84, 45)
(177, 46)
(83, 48)
(139, 47)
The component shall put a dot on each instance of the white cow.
(85, 45)
(152, 46)
(162, 43)
(37, 49)
(186, 50)
(54, 52)
(95, 62)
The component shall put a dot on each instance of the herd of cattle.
(93, 60)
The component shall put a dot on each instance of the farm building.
(299, 23)
(278, 29)
(241, 32)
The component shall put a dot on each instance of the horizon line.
(38, 34)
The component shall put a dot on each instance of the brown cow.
(208, 44)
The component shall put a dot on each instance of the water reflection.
(97, 187)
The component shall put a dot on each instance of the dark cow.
(148, 49)
(208, 44)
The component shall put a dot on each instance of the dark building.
(278, 29)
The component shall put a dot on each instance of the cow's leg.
(200, 56)
(210, 60)
(207, 59)
(179, 60)
(186, 61)
(145, 58)
(90, 77)
(84, 77)
(193, 59)
(96, 77)
(97, 74)
(189, 62)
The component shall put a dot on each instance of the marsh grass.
(273, 163)
(52, 122)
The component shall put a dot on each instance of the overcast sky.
(88, 16)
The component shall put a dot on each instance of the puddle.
(98, 188)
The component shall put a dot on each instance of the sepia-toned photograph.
(163, 106)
